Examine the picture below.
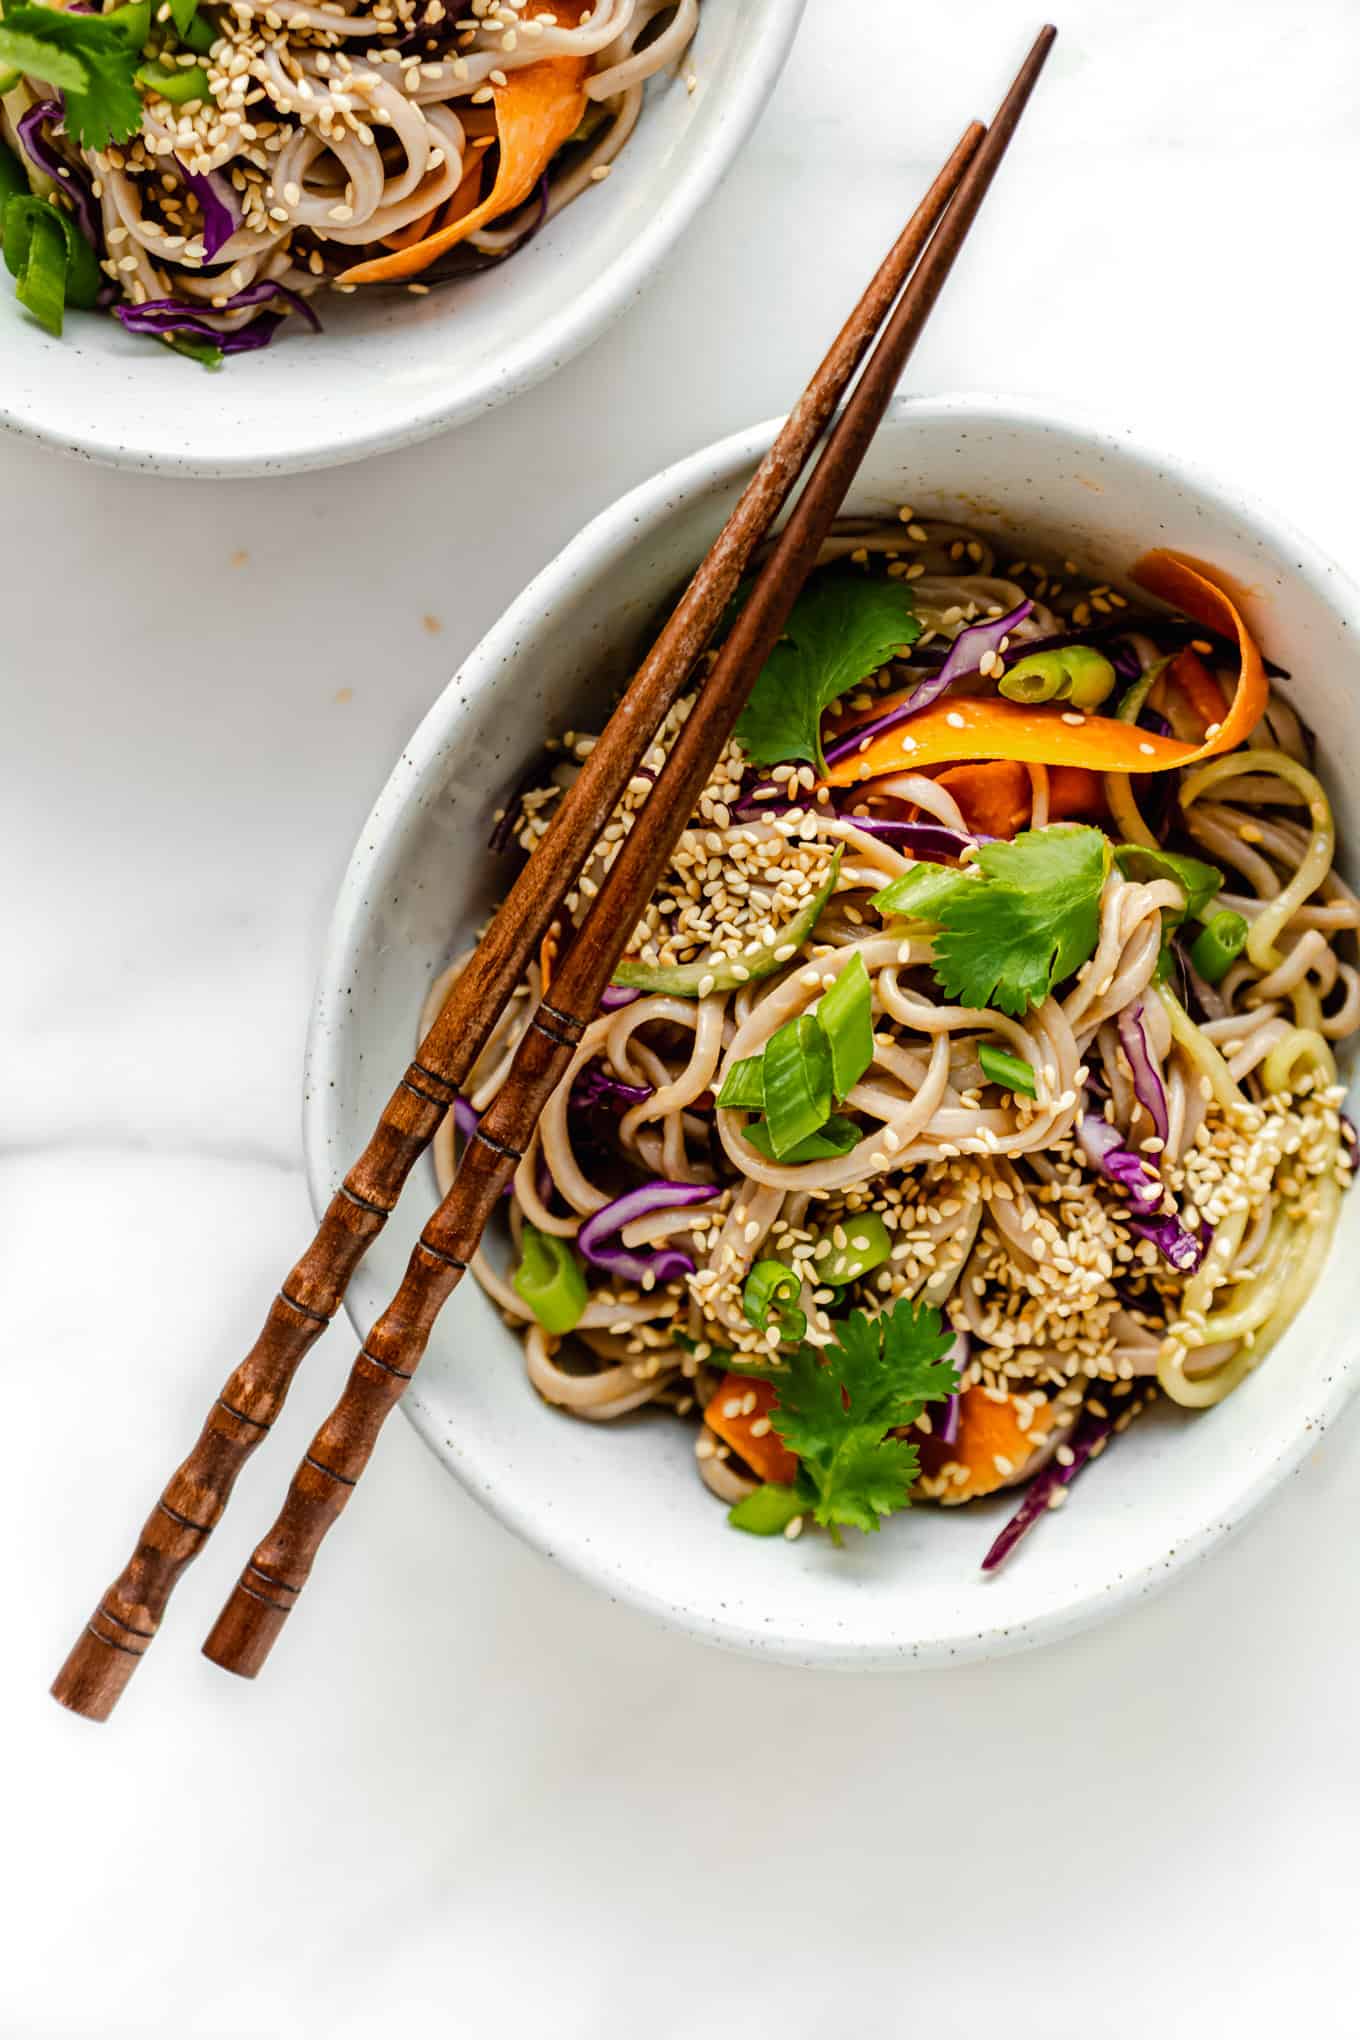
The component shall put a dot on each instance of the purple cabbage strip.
(595, 1086)
(1103, 1146)
(944, 1415)
(599, 1239)
(969, 648)
(1181, 1248)
(464, 1118)
(615, 996)
(1147, 1085)
(219, 203)
(169, 315)
(929, 840)
(1087, 1433)
(73, 181)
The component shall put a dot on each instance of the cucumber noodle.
(997, 1215)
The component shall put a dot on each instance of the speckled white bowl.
(619, 1504)
(391, 369)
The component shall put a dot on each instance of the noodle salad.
(969, 1080)
(202, 168)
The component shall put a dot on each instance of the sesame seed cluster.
(726, 884)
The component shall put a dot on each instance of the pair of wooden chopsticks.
(123, 1626)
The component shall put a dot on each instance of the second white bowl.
(619, 1503)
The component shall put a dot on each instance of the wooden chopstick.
(267, 1592)
(125, 1623)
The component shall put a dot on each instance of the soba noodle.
(996, 1213)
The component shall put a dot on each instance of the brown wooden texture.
(312, 1293)
(254, 1615)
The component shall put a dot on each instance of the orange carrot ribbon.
(536, 110)
(988, 727)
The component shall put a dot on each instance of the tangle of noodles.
(344, 129)
(995, 1213)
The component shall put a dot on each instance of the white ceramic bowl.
(391, 369)
(620, 1504)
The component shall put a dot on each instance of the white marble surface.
(469, 1796)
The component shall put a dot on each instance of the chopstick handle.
(260, 1604)
(105, 1655)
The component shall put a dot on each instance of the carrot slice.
(1188, 672)
(1073, 791)
(456, 208)
(994, 728)
(536, 109)
(995, 797)
(728, 1416)
(990, 1431)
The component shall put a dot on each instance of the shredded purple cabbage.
(1103, 1146)
(924, 839)
(595, 1086)
(1147, 1085)
(464, 1118)
(969, 648)
(1184, 1250)
(169, 315)
(615, 996)
(220, 205)
(74, 181)
(1088, 1432)
(599, 1239)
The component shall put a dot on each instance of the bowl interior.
(620, 1503)
(392, 368)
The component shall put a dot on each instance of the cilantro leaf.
(842, 628)
(835, 1407)
(1034, 918)
(88, 58)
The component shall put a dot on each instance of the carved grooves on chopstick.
(252, 1619)
(98, 1667)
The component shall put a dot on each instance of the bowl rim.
(584, 315)
(622, 523)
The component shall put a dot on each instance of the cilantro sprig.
(836, 1408)
(1022, 922)
(88, 57)
(842, 628)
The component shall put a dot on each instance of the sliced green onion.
(918, 893)
(771, 1292)
(8, 81)
(846, 1015)
(52, 262)
(762, 959)
(744, 1086)
(13, 177)
(179, 86)
(132, 22)
(836, 1138)
(1010, 1071)
(797, 1063)
(769, 1511)
(205, 351)
(182, 13)
(1197, 880)
(199, 36)
(867, 1246)
(1218, 945)
(1076, 673)
(550, 1280)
